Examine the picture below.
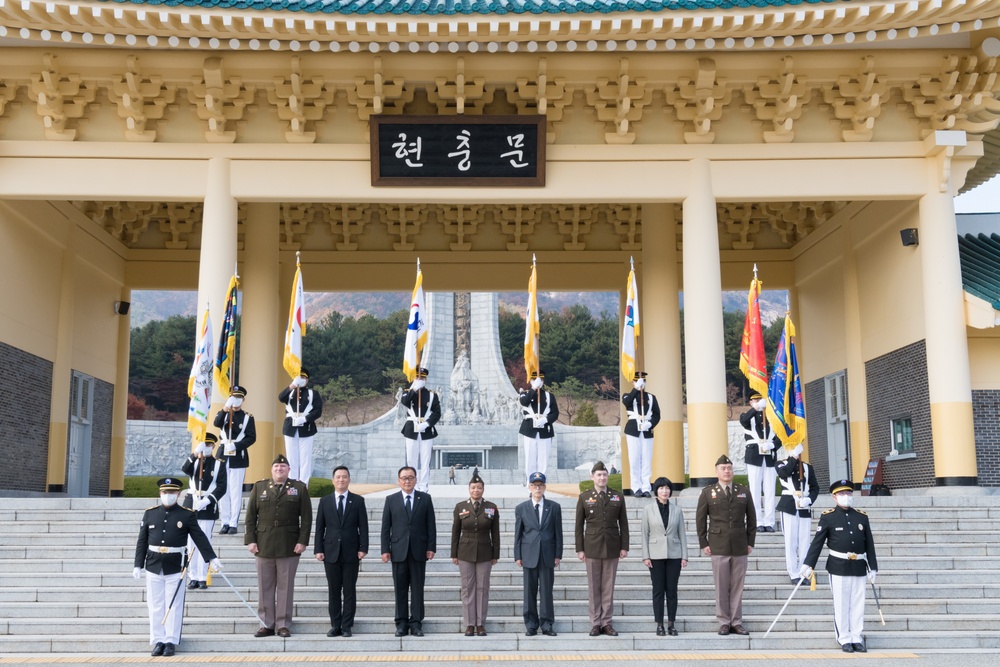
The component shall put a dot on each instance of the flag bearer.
(540, 413)
(237, 431)
(643, 416)
(761, 457)
(303, 406)
(800, 490)
(423, 410)
(206, 486)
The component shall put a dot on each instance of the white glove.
(767, 446)
(806, 572)
(644, 426)
(298, 421)
(540, 422)
(418, 385)
(216, 564)
(797, 452)
(639, 384)
(202, 504)
(421, 427)
(136, 572)
(229, 403)
(299, 382)
(871, 575)
(805, 502)
(536, 384)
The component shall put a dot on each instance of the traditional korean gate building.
(147, 145)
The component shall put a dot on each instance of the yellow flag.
(531, 325)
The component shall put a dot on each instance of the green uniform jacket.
(601, 526)
(728, 526)
(279, 516)
(475, 536)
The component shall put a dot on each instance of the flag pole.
(237, 328)
(420, 354)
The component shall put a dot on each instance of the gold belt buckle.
(852, 556)
(163, 550)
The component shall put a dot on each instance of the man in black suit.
(409, 538)
(538, 545)
(341, 542)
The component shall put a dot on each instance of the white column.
(704, 352)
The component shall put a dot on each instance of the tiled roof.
(981, 266)
(477, 7)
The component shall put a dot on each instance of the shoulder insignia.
(829, 510)
(187, 509)
(152, 508)
(861, 512)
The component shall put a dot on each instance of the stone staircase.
(66, 587)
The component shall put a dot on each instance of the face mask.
(845, 501)
(168, 499)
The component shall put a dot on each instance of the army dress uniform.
(237, 432)
(423, 411)
(847, 533)
(161, 551)
(278, 517)
(540, 412)
(475, 542)
(761, 457)
(601, 535)
(800, 489)
(206, 486)
(643, 416)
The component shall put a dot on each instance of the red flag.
(753, 363)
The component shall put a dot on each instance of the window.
(902, 436)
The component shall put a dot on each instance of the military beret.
(240, 391)
(476, 479)
(280, 458)
(598, 467)
(169, 484)
(724, 461)
(842, 485)
(536, 477)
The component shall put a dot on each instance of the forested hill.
(150, 305)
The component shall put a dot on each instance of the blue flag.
(786, 409)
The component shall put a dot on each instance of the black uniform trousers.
(665, 573)
(408, 582)
(342, 578)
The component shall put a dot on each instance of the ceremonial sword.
(783, 608)
(242, 599)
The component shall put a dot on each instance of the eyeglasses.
(408, 478)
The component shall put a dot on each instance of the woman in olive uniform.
(475, 548)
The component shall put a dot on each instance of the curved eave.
(629, 25)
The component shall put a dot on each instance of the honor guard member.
(303, 406)
(206, 485)
(237, 431)
(423, 410)
(727, 527)
(279, 520)
(643, 416)
(601, 539)
(162, 552)
(851, 558)
(799, 491)
(540, 413)
(538, 547)
(761, 458)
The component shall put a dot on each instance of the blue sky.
(984, 199)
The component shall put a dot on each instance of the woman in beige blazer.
(664, 552)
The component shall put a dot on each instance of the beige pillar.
(62, 371)
(857, 386)
(119, 418)
(217, 260)
(661, 336)
(261, 343)
(703, 340)
(944, 329)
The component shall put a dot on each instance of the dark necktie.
(475, 506)
(409, 508)
(539, 514)
(729, 493)
(340, 506)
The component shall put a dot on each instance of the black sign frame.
(382, 125)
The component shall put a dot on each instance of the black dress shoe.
(671, 630)
(203, 585)
(168, 650)
(530, 632)
(416, 630)
(548, 632)
(225, 529)
(723, 629)
(157, 650)
(660, 632)
(595, 631)
(859, 648)
(401, 631)
(192, 585)
(346, 632)
(847, 648)
(739, 630)
(333, 632)
(264, 632)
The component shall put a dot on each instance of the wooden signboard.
(873, 475)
